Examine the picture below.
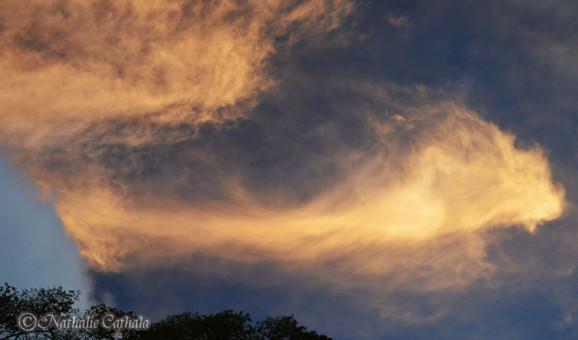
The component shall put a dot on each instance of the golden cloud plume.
(461, 176)
(436, 175)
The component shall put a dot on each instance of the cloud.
(165, 130)
(398, 21)
(435, 176)
(79, 62)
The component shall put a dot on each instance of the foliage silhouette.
(186, 326)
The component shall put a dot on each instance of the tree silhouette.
(223, 325)
(186, 326)
(57, 302)
(285, 328)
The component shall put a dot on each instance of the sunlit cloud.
(119, 111)
(77, 62)
(457, 176)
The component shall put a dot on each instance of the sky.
(379, 169)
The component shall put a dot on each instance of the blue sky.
(35, 250)
(379, 169)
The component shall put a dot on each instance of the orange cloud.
(462, 175)
(412, 207)
(170, 61)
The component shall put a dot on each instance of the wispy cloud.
(398, 21)
(169, 129)
(171, 61)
